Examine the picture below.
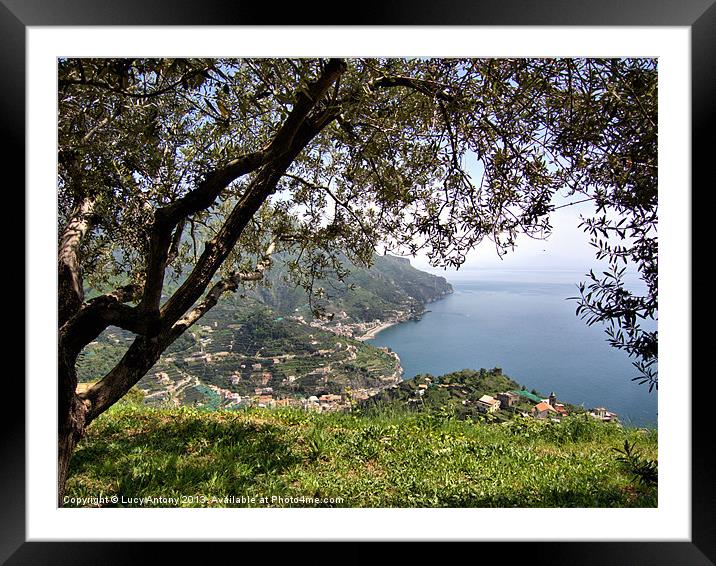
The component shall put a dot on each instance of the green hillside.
(236, 349)
(192, 457)
(457, 394)
(258, 340)
(390, 287)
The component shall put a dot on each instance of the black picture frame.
(698, 15)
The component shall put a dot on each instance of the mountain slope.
(255, 348)
(390, 287)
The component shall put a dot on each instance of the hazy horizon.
(566, 248)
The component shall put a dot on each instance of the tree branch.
(125, 294)
(145, 351)
(306, 100)
(70, 289)
(139, 358)
(201, 198)
(230, 283)
(176, 240)
(147, 348)
(61, 83)
(218, 248)
(430, 88)
(166, 218)
(100, 312)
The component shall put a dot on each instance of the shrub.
(643, 470)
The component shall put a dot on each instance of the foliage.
(450, 396)
(642, 469)
(623, 229)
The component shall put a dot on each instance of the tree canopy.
(198, 170)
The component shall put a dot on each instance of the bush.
(643, 470)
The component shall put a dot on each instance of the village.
(262, 397)
(253, 381)
(342, 325)
(309, 380)
(469, 394)
(547, 408)
(512, 401)
(502, 405)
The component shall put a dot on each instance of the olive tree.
(197, 171)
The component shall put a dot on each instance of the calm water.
(531, 331)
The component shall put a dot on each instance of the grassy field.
(201, 458)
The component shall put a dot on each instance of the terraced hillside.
(258, 347)
(238, 353)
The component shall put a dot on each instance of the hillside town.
(342, 325)
(219, 371)
(261, 371)
(469, 392)
(544, 408)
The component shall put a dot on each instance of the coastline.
(375, 330)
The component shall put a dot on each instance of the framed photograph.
(671, 522)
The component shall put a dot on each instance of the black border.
(16, 15)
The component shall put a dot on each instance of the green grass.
(377, 459)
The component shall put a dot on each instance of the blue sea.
(523, 323)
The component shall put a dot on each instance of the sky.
(564, 257)
(567, 248)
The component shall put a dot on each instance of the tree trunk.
(136, 362)
(72, 420)
(69, 280)
(69, 434)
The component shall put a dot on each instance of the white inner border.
(670, 522)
